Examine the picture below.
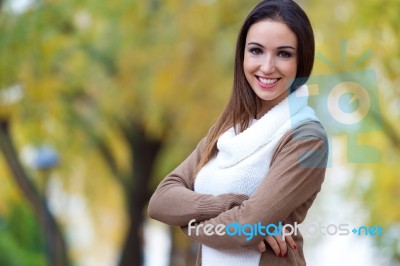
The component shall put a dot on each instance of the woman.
(263, 161)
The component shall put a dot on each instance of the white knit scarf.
(286, 115)
(243, 161)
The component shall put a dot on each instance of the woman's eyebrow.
(280, 47)
(255, 43)
(286, 47)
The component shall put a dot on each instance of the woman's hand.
(278, 245)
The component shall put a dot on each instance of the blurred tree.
(368, 26)
(130, 76)
(12, 50)
(55, 246)
(153, 89)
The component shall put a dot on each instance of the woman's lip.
(267, 86)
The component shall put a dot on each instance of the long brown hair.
(244, 104)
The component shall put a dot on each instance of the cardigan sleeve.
(175, 203)
(295, 177)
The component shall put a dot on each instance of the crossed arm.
(294, 178)
(175, 203)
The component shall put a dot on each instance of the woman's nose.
(268, 65)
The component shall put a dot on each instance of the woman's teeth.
(267, 81)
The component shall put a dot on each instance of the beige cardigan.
(295, 177)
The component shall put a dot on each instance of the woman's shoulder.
(307, 140)
(307, 133)
(309, 129)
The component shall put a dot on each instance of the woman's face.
(270, 61)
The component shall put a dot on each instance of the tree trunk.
(144, 151)
(55, 246)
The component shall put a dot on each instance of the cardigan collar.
(286, 115)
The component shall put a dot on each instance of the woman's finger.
(274, 245)
(282, 245)
(290, 242)
(261, 246)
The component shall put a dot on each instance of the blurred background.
(99, 100)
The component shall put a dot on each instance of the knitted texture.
(243, 161)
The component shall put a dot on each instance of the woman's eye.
(255, 51)
(284, 54)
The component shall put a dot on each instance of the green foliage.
(21, 243)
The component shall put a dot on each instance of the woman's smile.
(267, 83)
(270, 61)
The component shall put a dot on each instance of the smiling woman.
(270, 61)
(263, 162)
